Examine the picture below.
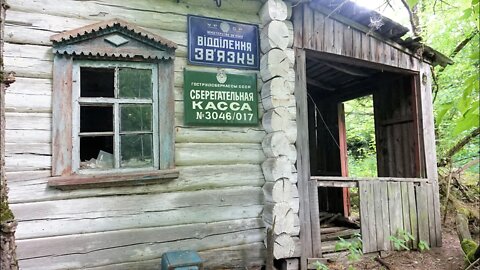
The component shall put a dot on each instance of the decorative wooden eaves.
(113, 39)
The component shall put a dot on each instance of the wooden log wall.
(214, 206)
(394, 209)
(282, 205)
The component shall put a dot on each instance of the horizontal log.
(381, 179)
(30, 186)
(26, 175)
(28, 121)
(87, 215)
(26, 162)
(90, 250)
(217, 154)
(169, 15)
(218, 135)
(235, 257)
(239, 256)
(112, 180)
(28, 148)
(28, 136)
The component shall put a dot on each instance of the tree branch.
(414, 20)
(459, 47)
(457, 147)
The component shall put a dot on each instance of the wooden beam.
(372, 179)
(320, 85)
(347, 70)
(303, 157)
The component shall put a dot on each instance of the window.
(112, 107)
(115, 105)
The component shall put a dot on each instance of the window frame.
(116, 102)
(114, 41)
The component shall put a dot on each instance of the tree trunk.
(8, 256)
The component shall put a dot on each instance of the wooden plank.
(365, 49)
(412, 204)
(329, 36)
(166, 114)
(348, 41)
(422, 211)
(62, 116)
(357, 44)
(303, 159)
(298, 26)
(186, 134)
(315, 220)
(97, 214)
(395, 209)
(339, 28)
(30, 186)
(342, 184)
(378, 210)
(428, 129)
(319, 28)
(90, 250)
(368, 179)
(372, 228)
(194, 154)
(406, 212)
(168, 15)
(363, 198)
(308, 28)
(431, 215)
(385, 216)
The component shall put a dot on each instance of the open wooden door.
(397, 130)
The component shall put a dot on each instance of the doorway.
(396, 146)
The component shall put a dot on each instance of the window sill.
(79, 181)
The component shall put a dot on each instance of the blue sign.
(222, 43)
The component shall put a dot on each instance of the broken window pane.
(96, 152)
(97, 82)
(135, 83)
(136, 150)
(96, 118)
(136, 117)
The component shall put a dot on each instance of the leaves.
(412, 3)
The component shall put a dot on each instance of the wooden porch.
(388, 206)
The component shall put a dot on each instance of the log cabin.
(100, 179)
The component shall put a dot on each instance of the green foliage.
(469, 247)
(5, 212)
(422, 246)
(457, 101)
(360, 126)
(353, 246)
(320, 266)
(400, 240)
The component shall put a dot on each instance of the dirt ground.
(447, 257)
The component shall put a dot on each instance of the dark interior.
(97, 82)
